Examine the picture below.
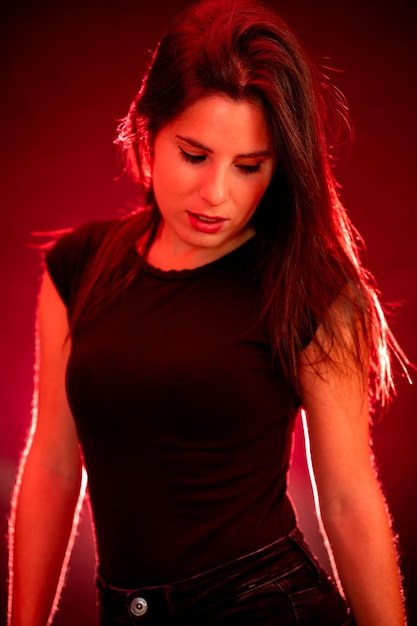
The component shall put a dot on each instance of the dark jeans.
(279, 585)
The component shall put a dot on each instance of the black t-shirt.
(184, 423)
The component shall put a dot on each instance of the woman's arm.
(48, 493)
(351, 505)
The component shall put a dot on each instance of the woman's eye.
(191, 158)
(250, 169)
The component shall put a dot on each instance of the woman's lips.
(205, 223)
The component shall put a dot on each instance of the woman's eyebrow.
(249, 155)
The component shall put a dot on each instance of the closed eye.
(200, 158)
(191, 158)
(249, 169)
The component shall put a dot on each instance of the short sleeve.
(70, 256)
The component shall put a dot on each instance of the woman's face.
(210, 168)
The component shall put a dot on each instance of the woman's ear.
(146, 161)
(139, 163)
(132, 164)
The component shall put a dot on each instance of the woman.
(177, 346)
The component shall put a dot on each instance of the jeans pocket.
(257, 599)
(309, 557)
(314, 596)
(260, 604)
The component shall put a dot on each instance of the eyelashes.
(195, 159)
(192, 158)
(250, 169)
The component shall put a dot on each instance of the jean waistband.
(270, 552)
(286, 566)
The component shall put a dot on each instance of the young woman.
(177, 346)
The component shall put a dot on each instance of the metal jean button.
(138, 606)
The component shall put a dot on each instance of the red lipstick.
(205, 223)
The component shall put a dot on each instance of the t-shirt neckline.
(173, 274)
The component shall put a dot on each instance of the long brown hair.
(308, 248)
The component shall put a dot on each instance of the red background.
(69, 71)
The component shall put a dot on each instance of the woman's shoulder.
(90, 233)
(71, 251)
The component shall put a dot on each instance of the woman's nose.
(214, 189)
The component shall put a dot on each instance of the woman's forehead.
(218, 118)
